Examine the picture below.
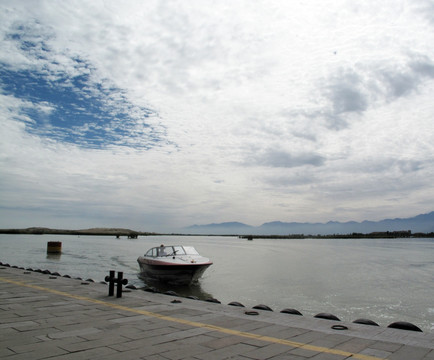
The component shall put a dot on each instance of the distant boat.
(175, 264)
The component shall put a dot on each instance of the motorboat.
(175, 264)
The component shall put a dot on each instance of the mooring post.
(111, 280)
(119, 282)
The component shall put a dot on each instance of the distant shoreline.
(94, 231)
(134, 234)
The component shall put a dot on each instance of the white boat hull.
(180, 265)
(173, 274)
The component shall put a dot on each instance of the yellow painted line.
(221, 329)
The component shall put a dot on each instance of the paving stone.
(328, 357)
(330, 341)
(149, 338)
(98, 353)
(305, 353)
(226, 353)
(429, 356)
(160, 357)
(85, 345)
(268, 351)
(198, 339)
(126, 319)
(19, 325)
(51, 321)
(146, 348)
(290, 333)
(272, 330)
(355, 344)
(227, 321)
(250, 326)
(73, 333)
(376, 352)
(5, 352)
(27, 337)
(36, 351)
(8, 333)
(287, 356)
(386, 345)
(223, 342)
(308, 337)
(409, 352)
(129, 333)
(182, 352)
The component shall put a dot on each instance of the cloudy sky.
(155, 115)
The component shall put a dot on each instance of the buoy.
(365, 322)
(327, 316)
(262, 307)
(236, 303)
(404, 326)
(291, 311)
(54, 247)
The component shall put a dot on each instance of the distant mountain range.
(421, 223)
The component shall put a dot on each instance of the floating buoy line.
(402, 325)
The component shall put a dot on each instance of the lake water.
(384, 280)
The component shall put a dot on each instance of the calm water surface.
(384, 280)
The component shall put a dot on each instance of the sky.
(157, 115)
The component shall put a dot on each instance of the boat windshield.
(190, 250)
(171, 250)
(179, 250)
(165, 251)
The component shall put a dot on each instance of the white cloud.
(328, 102)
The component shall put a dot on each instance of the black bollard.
(119, 282)
(111, 280)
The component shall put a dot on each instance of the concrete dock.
(46, 316)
